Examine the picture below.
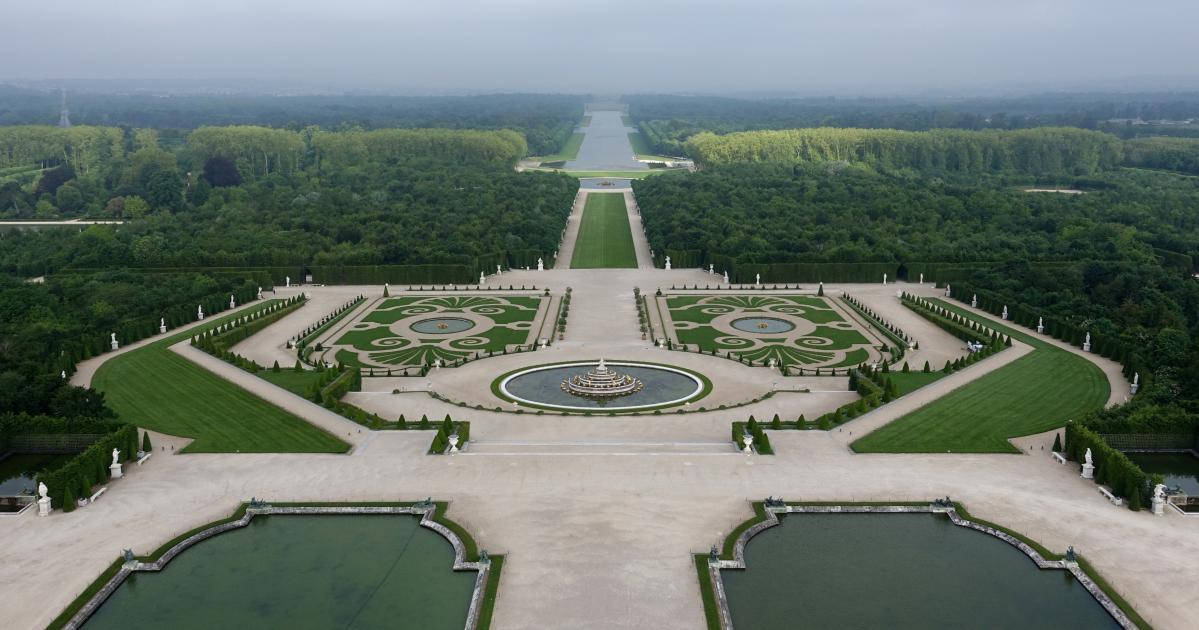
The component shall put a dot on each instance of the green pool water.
(1178, 469)
(899, 571)
(328, 571)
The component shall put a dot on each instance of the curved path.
(599, 515)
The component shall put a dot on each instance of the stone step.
(599, 447)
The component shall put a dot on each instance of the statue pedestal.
(1040, 330)
(1088, 471)
(1134, 388)
(115, 345)
(1159, 506)
(1086, 347)
(43, 506)
(116, 472)
(162, 329)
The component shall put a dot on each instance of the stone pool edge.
(432, 517)
(766, 517)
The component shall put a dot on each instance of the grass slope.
(1034, 393)
(569, 151)
(605, 240)
(157, 389)
(642, 149)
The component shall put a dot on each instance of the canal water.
(606, 146)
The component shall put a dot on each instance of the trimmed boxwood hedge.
(86, 469)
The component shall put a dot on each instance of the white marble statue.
(921, 278)
(113, 341)
(480, 278)
(726, 277)
(974, 301)
(260, 293)
(43, 503)
(289, 282)
(200, 312)
(711, 269)
(1136, 382)
(1040, 325)
(1004, 316)
(64, 375)
(1159, 492)
(540, 265)
(116, 457)
(757, 279)
(1087, 457)
(162, 324)
(668, 263)
(884, 278)
(947, 291)
(232, 303)
(497, 270)
(1086, 344)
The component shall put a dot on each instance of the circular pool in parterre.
(442, 325)
(541, 387)
(762, 325)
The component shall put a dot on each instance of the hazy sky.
(861, 46)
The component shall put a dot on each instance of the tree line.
(1052, 150)
(666, 121)
(546, 120)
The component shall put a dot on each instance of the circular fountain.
(602, 382)
(616, 386)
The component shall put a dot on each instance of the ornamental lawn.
(1035, 393)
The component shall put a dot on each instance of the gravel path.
(599, 515)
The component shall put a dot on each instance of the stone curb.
(771, 520)
(427, 520)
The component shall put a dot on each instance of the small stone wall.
(427, 520)
(738, 561)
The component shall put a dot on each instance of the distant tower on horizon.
(64, 116)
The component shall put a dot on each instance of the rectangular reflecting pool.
(310, 571)
(898, 571)
(1179, 469)
(18, 472)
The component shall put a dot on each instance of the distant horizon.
(216, 86)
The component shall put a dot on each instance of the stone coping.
(771, 519)
(427, 513)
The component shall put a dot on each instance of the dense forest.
(1116, 260)
(545, 120)
(233, 208)
(667, 121)
(834, 213)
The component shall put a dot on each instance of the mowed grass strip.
(1037, 392)
(605, 240)
(157, 389)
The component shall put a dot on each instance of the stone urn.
(748, 440)
(453, 438)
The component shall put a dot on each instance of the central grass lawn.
(157, 389)
(1034, 393)
(605, 240)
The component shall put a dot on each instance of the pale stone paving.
(601, 536)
